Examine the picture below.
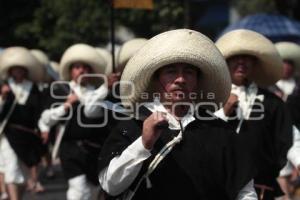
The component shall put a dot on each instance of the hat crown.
(128, 49)
(20, 56)
(40, 56)
(108, 59)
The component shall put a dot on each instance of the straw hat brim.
(128, 49)
(289, 51)
(20, 56)
(245, 42)
(81, 53)
(108, 59)
(44, 60)
(55, 66)
(177, 46)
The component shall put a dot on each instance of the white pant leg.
(11, 166)
(79, 188)
(2, 163)
(287, 169)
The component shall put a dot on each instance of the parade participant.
(177, 150)
(290, 54)
(81, 139)
(49, 75)
(259, 117)
(20, 111)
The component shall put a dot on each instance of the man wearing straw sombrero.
(80, 139)
(289, 84)
(173, 148)
(290, 54)
(259, 117)
(20, 111)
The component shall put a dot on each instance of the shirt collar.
(20, 90)
(81, 91)
(174, 124)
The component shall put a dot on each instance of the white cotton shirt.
(87, 96)
(9, 163)
(293, 154)
(20, 90)
(286, 86)
(246, 100)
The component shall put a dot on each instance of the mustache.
(240, 66)
(178, 87)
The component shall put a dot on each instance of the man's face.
(288, 69)
(18, 73)
(176, 81)
(240, 68)
(78, 69)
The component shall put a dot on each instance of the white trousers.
(79, 189)
(9, 164)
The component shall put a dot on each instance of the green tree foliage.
(166, 15)
(54, 25)
(14, 13)
(59, 24)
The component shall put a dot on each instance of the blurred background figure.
(20, 110)
(49, 75)
(290, 54)
(260, 118)
(79, 140)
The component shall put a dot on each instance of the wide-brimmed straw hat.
(108, 59)
(246, 42)
(177, 46)
(289, 51)
(81, 53)
(55, 66)
(44, 60)
(20, 56)
(128, 49)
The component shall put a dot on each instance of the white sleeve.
(247, 192)
(122, 170)
(92, 102)
(220, 113)
(50, 117)
(294, 152)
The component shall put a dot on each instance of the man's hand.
(152, 128)
(112, 78)
(45, 137)
(5, 89)
(231, 104)
(72, 98)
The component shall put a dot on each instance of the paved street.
(55, 188)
